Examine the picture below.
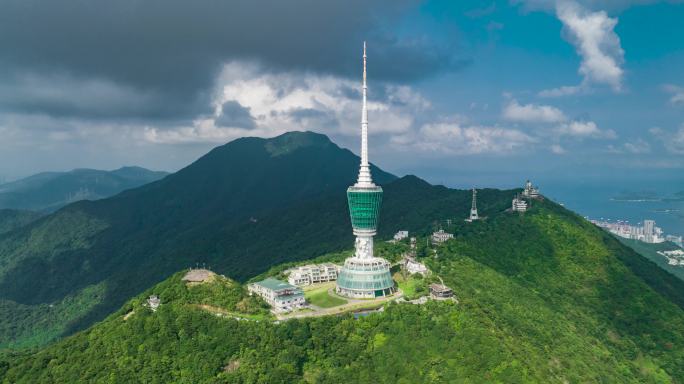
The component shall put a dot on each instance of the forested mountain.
(242, 208)
(543, 297)
(11, 219)
(49, 191)
(650, 252)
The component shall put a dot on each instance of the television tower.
(363, 275)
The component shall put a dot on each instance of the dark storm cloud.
(165, 55)
(235, 115)
(314, 118)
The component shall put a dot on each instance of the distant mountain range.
(50, 191)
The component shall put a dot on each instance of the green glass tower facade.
(364, 207)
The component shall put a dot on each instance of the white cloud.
(455, 138)
(593, 35)
(558, 149)
(636, 147)
(676, 92)
(566, 90)
(673, 141)
(532, 113)
(596, 42)
(584, 129)
(294, 101)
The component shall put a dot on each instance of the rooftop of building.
(439, 288)
(275, 284)
(198, 275)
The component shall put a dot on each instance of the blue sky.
(463, 93)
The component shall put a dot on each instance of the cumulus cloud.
(609, 5)
(558, 149)
(593, 35)
(455, 138)
(145, 53)
(532, 113)
(233, 114)
(636, 147)
(673, 141)
(565, 90)
(265, 104)
(676, 93)
(584, 129)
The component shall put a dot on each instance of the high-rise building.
(363, 275)
(649, 231)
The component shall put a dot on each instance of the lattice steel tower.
(473, 208)
(363, 275)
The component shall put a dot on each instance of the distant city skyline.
(479, 93)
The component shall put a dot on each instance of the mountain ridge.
(49, 191)
(237, 208)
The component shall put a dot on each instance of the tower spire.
(364, 179)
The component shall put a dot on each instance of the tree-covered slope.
(544, 297)
(11, 219)
(49, 191)
(242, 208)
(650, 252)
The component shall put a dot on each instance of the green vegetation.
(49, 191)
(543, 297)
(650, 251)
(413, 286)
(287, 206)
(11, 219)
(18, 321)
(320, 297)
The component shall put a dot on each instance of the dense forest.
(542, 297)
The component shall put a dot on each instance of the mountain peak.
(291, 141)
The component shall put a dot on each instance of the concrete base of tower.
(363, 294)
(365, 278)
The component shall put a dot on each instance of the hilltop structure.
(473, 209)
(363, 275)
(440, 237)
(530, 191)
(281, 296)
(518, 204)
(313, 274)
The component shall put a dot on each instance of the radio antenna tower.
(473, 208)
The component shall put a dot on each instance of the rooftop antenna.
(364, 179)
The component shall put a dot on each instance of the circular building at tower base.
(365, 278)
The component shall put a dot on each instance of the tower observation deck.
(363, 275)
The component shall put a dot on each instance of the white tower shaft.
(364, 179)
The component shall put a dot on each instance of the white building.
(519, 205)
(441, 236)
(313, 273)
(647, 233)
(530, 191)
(153, 302)
(413, 266)
(281, 296)
(401, 235)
